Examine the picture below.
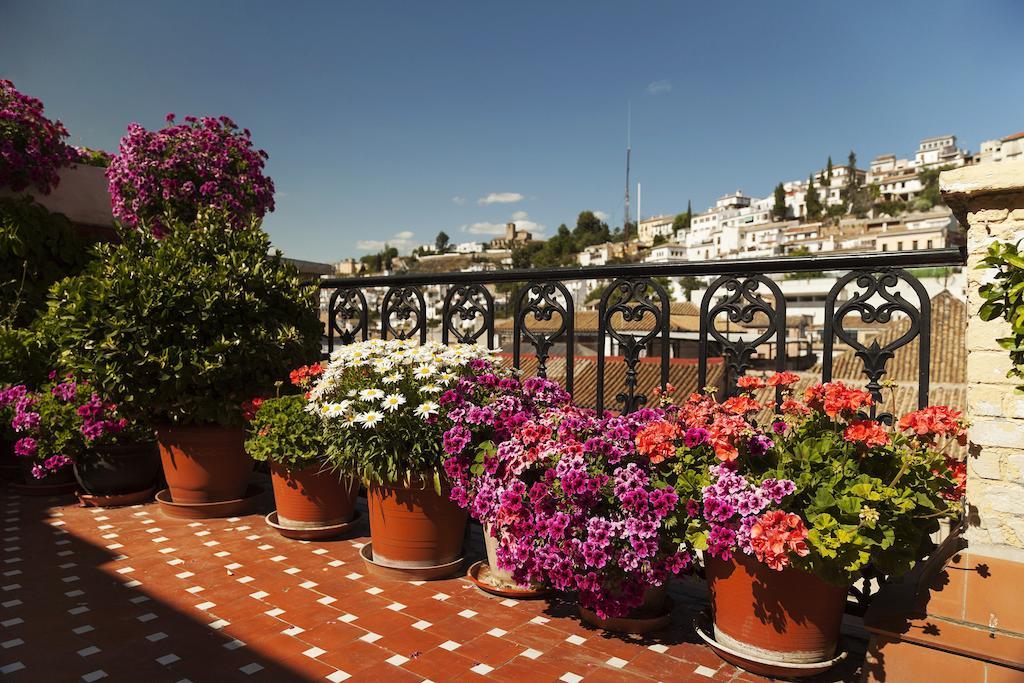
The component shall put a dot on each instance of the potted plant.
(594, 520)
(380, 401)
(67, 428)
(179, 331)
(484, 412)
(310, 494)
(789, 513)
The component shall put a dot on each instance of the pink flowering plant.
(172, 174)
(814, 483)
(62, 422)
(591, 516)
(32, 147)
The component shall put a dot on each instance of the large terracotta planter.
(414, 526)
(787, 616)
(119, 469)
(313, 496)
(204, 464)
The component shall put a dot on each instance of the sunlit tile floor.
(132, 595)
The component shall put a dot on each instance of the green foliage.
(283, 431)
(25, 357)
(779, 207)
(1004, 298)
(186, 328)
(375, 263)
(681, 222)
(441, 242)
(37, 248)
(812, 202)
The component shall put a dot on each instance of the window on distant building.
(899, 246)
(915, 244)
(929, 244)
(885, 247)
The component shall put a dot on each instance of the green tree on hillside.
(441, 242)
(589, 230)
(812, 202)
(828, 172)
(779, 208)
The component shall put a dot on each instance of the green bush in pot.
(181, 331)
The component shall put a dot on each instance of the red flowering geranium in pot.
(790, 509)
(310, 495)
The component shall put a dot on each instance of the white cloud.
(461, 201)
(658, 87)
(601, 215)
(500, 198)
(400, 240)
(520, 218)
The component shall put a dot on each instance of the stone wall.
(989, 203)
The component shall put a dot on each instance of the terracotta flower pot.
(118, 469)
(204, 464)
(654, 614)
(312, 496)
(414, 526)
(787, 616)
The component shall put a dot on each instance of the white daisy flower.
(349, 420)
(393, 378)
(445, 377)
(370, 418)
(424, 371)
(371, 394)
(393, 402)
(352, 393)
(430, 388)
(426, 409)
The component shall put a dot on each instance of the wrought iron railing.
(739, 292)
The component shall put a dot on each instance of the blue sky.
(392, 121)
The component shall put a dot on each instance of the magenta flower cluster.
(32, 147)
(732, 505)
(173, 173)
(54, 425)
(587, 516)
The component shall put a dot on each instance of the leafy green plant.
(185, 328)
(283, 431)
(1004, 298)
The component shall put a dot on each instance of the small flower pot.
(499, 580)
(788, 616)
(413, 526)
(204, 464)
(118, 469)
(655, 614)
(312, 497)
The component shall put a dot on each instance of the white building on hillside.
(1010, 148)
(649, 229)
(469, 248)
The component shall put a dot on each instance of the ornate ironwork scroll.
(632, 300)
(466, 303)
(349, 304)
(406, 305)
(879, 283)
(741, 304)
(539, 301)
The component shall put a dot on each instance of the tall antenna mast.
(629, 149)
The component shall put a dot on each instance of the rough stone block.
(998, 432)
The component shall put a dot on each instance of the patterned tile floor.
(131, 595)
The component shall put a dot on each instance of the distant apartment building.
(898, 180)
(601, 254)
(938, 152)
(349, 266)
(648, 230)
(469, 248)
(1010, 148)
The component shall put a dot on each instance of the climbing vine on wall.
(1004, 298)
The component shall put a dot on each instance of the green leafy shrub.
(1004, 298)
(283, 431)
(37, 248)
(185, 328)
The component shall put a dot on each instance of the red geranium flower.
(867, 432)
(656, 440)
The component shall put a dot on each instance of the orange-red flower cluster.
(304, 376)
(958, 471)
(748, 383)
(724, 435)
(783, 379)
(934, 421)
(836, 399)
(794, 408)
(740, 405)
(866, 432)
(250, 407)
(656, 440)
(774, 535)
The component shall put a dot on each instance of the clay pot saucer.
(756, 665)
(223, 508)
(313, 533)
(44, 489)
(645, 623)
(479, 574)
(115, 500)
(439, 571)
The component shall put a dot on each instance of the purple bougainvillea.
(173, 173)
(32, 147)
